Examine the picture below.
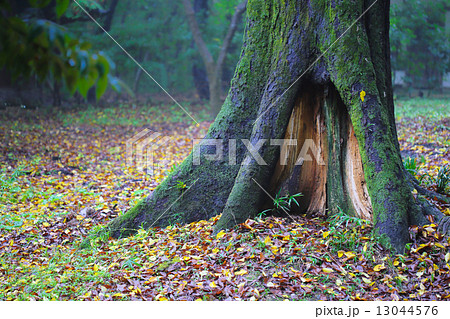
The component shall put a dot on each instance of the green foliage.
(443, 179)
(343, 231)
(156, 34)
(419, 43)
(411, 165)
(42, 48)
(282, 203)
(8, 186)
(172, 169)
(9, 190)
(181, 185)
(341, 218)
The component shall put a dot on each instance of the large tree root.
(428, 209)
(426, 192)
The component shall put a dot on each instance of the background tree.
(158, 36)
(214, 69)
(309, 70)
(110, 14)
(201, 9)
(420, 44)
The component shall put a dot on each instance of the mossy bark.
(302, 69)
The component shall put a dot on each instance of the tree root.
(428, 209)
(426, 192)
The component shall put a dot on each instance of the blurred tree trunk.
(313, 73)
(214, 69)
(110, 14)
(138, 76)
(198, 68)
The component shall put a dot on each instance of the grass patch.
(432, 108)
(132, 115)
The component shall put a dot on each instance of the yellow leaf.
(220, 234)
(422, 289)
(325, 234)
(350, 254)
(362, 95)
(137, 290)
(45, 224)
(367, 281)
(240, 272)
(365, 247)
(447, 257)
(422, 246)
(163, 299)
(95, 267)
(379, 267)
(150, 280)
(267, 240)
(340, 253)
(213, 284)
(327, 270)
(215, 250)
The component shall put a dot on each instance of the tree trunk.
(198, 70)
(110, 14)
(300, 79)
(214, 69)
(138, 75)
(215, 89)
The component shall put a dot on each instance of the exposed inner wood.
(354, 182)
(303, 168)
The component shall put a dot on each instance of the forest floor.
(65, 175)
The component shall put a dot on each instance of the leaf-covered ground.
(65, 174)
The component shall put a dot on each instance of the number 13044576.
(405, 310)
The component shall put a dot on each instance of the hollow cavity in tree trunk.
(321, 162)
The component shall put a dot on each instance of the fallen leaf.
(379, 267)
(220, 234)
